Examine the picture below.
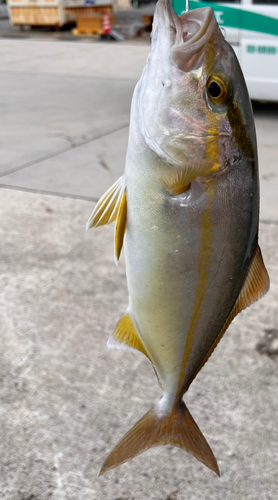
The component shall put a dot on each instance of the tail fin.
(178, 429)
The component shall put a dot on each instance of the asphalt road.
(66, 399)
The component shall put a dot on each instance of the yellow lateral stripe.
(205, 251)
(212, 151)
(206, 240)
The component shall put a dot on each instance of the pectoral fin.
(256, 285)
(177, 180)
(107, 208)
(125, 336)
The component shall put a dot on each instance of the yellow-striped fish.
(188, 206)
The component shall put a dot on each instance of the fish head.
(192, 91)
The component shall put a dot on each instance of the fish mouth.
(189, 33)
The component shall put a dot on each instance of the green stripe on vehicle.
(233, 17)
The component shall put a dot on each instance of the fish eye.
(214, 89)
(218, 89)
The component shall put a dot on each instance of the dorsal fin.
(107, 208)
(256, 285)
(120, 227)
(177, 180)
(125, 335)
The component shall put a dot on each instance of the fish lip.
(170, 12)
(187, 33)
(200, 17)
(203, 17)
(174, 19)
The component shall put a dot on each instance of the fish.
(186, 211)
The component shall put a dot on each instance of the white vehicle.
(251, 27)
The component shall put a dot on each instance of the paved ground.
(65, 399)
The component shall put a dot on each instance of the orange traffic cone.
(107, 32)
(106, 24)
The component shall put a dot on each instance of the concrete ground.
(65, 399)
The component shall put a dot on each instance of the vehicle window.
(266, 2)
(226, 1)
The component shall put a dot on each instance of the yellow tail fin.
(178, 429)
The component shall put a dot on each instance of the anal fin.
(126, 335)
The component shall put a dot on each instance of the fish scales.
(187, 208)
